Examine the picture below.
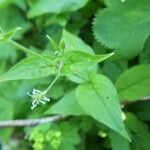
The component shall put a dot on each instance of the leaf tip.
(48, 36)
(111, 54)
(18, 28)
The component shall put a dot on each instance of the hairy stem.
(26, 50)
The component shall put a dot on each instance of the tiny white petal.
(29, 94)
(38, 97)
(46, 99)
(43, 102)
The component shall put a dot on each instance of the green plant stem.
(58, 74)
(56, 78)
(26, 50)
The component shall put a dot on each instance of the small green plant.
(74, 75)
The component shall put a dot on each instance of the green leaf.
(29, 68)
(80, 64)
(144, 57)
(7, 53)
(8, 21)
(54, 44)
(114, 3)
(70, 136)
(72, 42)
(66, 106)
(21, 4)
(134, 83)
(4, 37)
(52, 6)
(118, 142)
(57, 91)
(82, 57)
(142, 109)
(123, 26)
(6, 113)
(113, 69)
(139, 132)
(60, 19)
(7, 109)
(5, 3)
(99, 99)
(77, 72)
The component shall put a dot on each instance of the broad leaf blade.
(5, 3)
(72, 42)
(99, 99)
(72, 69)
(134, 83)
(8, 21)
(81, 57)
(53, 6)
(70, 135)
(123, 26)
(118, 142)
(79, 64)
(66, 106)
(29, 68)
(76, 59)
(139, 131)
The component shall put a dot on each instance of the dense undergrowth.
(85, 63)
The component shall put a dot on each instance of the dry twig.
(29, 122)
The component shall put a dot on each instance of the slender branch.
(52, 83)
(26, 50)
(30, 122)
(56, 78)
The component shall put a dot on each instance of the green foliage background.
(103, 89)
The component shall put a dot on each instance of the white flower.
(38, 97)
